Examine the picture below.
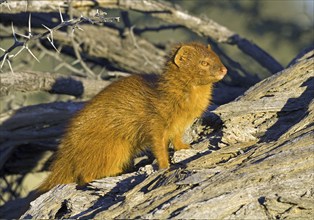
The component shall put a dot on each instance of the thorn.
(13, 32)
(46, 27)
(2, 49)
(52, 44)
(19, 51)
(4, 58)
(50, 31)
(26, 47)
(29, 25)
(10, 66)
(22, 35)
(50, 40)
(60, 15)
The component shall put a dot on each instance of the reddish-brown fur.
(136, 113)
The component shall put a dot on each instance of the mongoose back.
(134, 114)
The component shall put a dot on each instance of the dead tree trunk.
(250, 159)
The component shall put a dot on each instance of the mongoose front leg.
(160, 150)
(178, 143)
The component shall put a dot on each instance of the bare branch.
(76, 47)
(147, 61)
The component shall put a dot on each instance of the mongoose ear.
(182, 55)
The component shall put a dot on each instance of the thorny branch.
(98, 18)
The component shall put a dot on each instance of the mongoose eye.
(204, 63)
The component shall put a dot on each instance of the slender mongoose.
(136, 113)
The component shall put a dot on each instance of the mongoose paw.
(164, 165)
(181, 146)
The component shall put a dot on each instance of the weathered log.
(260, 166)
(53, 83)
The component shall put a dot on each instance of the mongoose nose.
(223, 70)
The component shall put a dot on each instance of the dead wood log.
(262, 168)
(53, 83)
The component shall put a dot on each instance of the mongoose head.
(199, 63)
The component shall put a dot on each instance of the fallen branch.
(54, 83)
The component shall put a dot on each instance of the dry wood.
(54, 83)
(265, 173)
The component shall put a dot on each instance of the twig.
(147, 61)
(76, 47)
(61, 62)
